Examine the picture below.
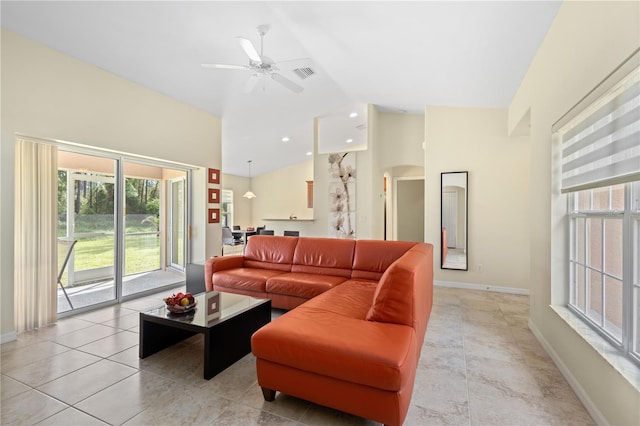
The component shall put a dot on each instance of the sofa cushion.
(325, 256)
(393, 301)
(328, 336)
(372, 257)
(245, 279)
(301, 284)
(270, 252)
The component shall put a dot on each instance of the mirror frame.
(464, 176)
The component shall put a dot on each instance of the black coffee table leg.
(154, 337)
(226, 343)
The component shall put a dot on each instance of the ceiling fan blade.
(226, 66)
(251, 83)
(293, 64)
(287, 83)
(248, 48)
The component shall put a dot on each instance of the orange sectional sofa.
(361, 310)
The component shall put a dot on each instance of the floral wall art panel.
(342, 195)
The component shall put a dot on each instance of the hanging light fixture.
(249, 194)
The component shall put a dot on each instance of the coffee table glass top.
(230, 305)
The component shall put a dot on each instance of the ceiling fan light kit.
(262, 66)
(249, 194)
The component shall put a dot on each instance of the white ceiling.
(400, 56)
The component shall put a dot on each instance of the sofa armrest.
(214, 264)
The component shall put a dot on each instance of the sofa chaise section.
(354, 348)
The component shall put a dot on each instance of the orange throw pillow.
(393, 299)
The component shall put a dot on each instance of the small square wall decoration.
(214, 195)
(214, 215)
(214, 176)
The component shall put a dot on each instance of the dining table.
(245, 234)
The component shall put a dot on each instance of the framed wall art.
(214, 215)
(214, 196)
(214, 176)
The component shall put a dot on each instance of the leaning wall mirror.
(453, 220)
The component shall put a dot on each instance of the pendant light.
(249, 194)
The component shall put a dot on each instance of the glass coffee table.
(226, 338)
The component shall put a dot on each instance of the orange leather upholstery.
(325, 256)
(354, 347)
(444, 245)
(265, 252)
(373, 257)
(361, 311)
(292, 270)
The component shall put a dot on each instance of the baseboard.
(481, 287)
(579, 390)
(8, 337)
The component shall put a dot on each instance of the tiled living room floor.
(480, 365)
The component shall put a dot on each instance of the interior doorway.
(409, 209)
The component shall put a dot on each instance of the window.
(600, 142)
(604, 226)
(227, 208)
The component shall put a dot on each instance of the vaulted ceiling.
(400, 56)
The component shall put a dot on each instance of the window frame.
(629, 340)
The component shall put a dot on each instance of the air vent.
(304, 73)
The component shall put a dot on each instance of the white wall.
(47, 94)
(586, 42)
(475, 140)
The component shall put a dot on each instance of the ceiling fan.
(262, 66)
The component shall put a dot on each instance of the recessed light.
(353, 115)
(349, 140)
(309, 153)
(285, 139)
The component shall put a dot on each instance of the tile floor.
(480, 365)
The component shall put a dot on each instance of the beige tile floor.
(480, 365)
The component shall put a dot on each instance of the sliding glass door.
(129, 223)
(176, 225)
(86, 215)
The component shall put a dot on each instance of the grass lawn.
(142, 253)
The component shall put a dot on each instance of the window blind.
(601, 144)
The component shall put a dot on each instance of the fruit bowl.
(180, 303)
(179, 309)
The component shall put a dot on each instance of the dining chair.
(227, 238)
(237, 235)
(291, 233)
(266, 232)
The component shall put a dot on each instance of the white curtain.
(35, 291)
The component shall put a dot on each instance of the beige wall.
(400, 137)
(475, 140)
(282, 193)
(279, 194)
(241, 206)
(586, 42)
(46, 94)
